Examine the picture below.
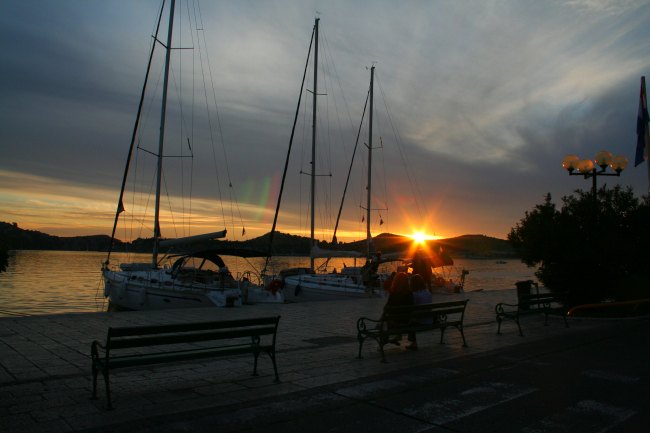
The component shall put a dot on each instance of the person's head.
(400, 283)
(417, 283)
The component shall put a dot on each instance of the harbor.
(406, 251)
(46, 376)
(54, 282)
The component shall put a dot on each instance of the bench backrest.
(156, 335)
(541, 298)
(420, 312)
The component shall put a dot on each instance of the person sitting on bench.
(400, 294)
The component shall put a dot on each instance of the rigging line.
(128, 228)
(324, 214)
(403, 155)
(325, 163)
(183, 122)
(141, 219)
(305, 127)
(193, 107)
(209, 119)
(347, 181)
(183, 126)
(286, 163)
(328, 55)
(149, 108)
(383, 177)
(185, 217)
(233, 196)
(337, 80)
(120, 205)
(383, 164)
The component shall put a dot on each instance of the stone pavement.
(45, 379)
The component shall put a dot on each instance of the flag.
(643, 138)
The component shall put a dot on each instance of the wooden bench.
(145, 345)
(529, 304)
(396, 321)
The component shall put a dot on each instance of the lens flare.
(420, 237)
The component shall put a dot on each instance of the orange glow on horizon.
(420, 237)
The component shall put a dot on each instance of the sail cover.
(193, 239)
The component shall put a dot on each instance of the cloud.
(486, 98)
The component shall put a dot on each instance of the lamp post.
(589, 168)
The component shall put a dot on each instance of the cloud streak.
(487, 98)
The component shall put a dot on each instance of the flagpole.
(646, 133)
(643, 135)
(646, 137)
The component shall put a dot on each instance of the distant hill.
(477, 246)
(15, 238)
(468, 246)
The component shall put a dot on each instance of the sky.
(481, 102)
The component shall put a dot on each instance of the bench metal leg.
(462, 334)
(500, 320)
(255, 356)
(95, 372)
(521, 333)
(108, 389)
(361, 340)
(275, 366)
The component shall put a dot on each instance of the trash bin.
(523, 288)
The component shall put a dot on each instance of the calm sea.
(48, 282)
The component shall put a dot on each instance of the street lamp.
(589, 168)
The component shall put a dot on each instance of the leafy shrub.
(595, 248)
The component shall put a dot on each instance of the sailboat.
(353, 281)
(186, 271)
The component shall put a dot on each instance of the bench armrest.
(498, 308)
(94, 349)
(365, 323)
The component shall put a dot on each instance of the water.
(49, 282)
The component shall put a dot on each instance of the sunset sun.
(421, 237)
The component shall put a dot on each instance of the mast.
(161, 139)
(371, 247)
(313, 144)
(120, 202)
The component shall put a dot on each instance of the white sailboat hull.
(155, 289)
(324, 287)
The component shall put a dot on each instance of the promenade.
(45, 378)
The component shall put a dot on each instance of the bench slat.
(158, 358)
(189, 327)
(187, 337)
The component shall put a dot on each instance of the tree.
(594, 248)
